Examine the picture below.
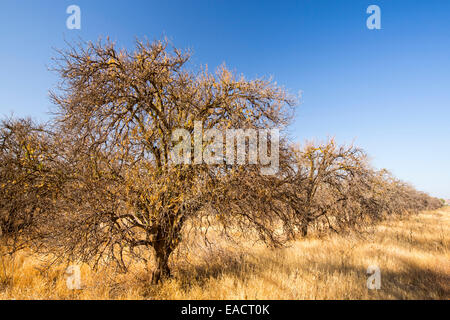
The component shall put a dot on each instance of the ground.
(412, 253)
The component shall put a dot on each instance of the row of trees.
(96, 183)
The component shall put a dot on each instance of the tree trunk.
(164, 244)
(304, 229)
(162, 270)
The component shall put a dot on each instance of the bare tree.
(335, 188)
(324, 179)
(116, 113)
(29, 177)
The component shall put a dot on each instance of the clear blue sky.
(388, 90)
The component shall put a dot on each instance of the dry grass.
(412, 253)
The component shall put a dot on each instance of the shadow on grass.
(412, 281)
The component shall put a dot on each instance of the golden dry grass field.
(412, 253)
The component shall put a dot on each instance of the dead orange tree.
(391, 196)
(116, 113)
(334, 187)
(29, 179)
(324, 182)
